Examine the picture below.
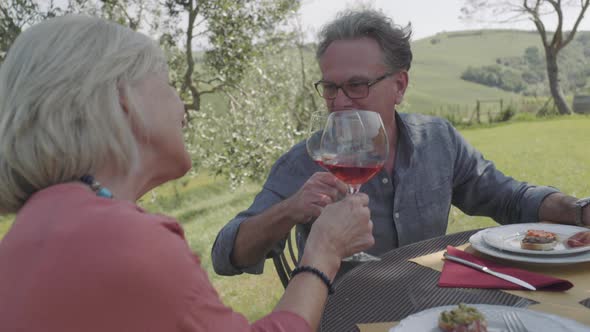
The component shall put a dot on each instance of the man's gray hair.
(60, 110)
(393, 39)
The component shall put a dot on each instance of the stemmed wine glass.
(317, 122)
(354, 148)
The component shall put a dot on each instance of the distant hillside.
(435, 76)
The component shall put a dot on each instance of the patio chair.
(287, 259)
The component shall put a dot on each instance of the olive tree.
(245, 58)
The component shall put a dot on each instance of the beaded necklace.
(96, 187)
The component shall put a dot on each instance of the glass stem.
(353, 188)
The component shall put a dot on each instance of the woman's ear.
(401, 83)
(124, 98)
(129, 107)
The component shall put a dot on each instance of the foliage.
(231, 33)
(257, 113)
(18, 14)
(495, 76)
(221, 48)
(524, 117)
(264, 118)
(506, 114)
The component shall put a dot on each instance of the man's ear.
(401, 80)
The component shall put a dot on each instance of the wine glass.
(354, 148)
(317, 122)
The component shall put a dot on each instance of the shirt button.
(396, 215)
(385, 180)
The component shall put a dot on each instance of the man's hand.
(321, 189)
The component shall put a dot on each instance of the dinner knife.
(487, 270)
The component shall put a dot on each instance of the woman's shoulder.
(105, 254)
(73, 216)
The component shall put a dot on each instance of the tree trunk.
(553, 76)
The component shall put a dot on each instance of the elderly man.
(364, 60)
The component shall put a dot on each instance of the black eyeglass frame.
(341, 86)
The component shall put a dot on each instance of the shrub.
(521, 116)
(506, 114)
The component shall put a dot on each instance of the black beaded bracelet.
(318, 273)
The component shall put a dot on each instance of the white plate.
(508, 238)
(478, 244)
(427, 320)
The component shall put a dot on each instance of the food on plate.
(462, 319)
(538, 240)
(580, 239)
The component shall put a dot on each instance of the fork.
(513, 322)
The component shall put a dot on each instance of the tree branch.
(211, 81)
(534, 12)
(557, 39)
(213, 90)
(133, 24)
(584, 4)
(190, 61)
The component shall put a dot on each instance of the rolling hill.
(439, 61)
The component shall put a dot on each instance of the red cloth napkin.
(458, 275)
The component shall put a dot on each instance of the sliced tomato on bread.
(538, 240)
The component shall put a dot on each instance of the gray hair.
(60, 111)
(394, 40)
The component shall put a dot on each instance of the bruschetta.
(538, 240)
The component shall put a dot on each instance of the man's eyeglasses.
(353, 90)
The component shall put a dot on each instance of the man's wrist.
(586, 216)
(583, 212)
(293, 213)
(288, 213)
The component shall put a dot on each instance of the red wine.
(320, 162)
(353, 174)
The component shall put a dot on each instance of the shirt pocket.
(433, 203)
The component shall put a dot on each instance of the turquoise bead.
(104, 192)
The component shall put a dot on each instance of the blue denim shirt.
(434, 168)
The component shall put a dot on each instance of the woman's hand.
(580, 239)
(343, 228)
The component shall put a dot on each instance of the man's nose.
(341, 101)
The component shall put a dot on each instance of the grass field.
(554, 152)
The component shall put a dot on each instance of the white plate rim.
(567, 323)
(478, 244)
(567, 230)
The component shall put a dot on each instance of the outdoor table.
(394, 288)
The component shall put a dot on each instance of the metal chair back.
(287, 259)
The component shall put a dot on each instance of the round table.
(394, 288)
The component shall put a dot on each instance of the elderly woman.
(84, 101)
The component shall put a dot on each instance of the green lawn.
(554, 152)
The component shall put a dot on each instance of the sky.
(428, 17)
